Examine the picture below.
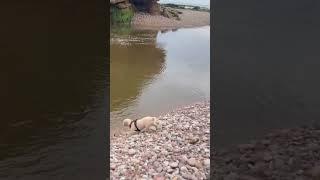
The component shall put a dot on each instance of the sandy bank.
(179, 149)
(189, 18)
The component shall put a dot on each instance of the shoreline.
(180, 148)
(189, 19)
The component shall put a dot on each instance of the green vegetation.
(121, 16)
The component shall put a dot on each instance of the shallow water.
(153, 72)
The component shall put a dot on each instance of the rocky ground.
(179, 149)
(188, 18)
(288, 154)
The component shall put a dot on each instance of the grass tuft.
(123, 16)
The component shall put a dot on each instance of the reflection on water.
(153, 72)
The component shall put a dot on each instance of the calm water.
(153, 72)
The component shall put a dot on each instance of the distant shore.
(189, 18)
(179, 149)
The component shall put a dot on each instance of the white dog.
(143, 124)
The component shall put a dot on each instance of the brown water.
(153, 72)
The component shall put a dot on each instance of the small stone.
(194, 169)
(169, 170)
(192, 161)
(159, 178)
(174, 164)
(136, 161)
(198, 164)
(159, 169)
(187, 175)
(183, 168)
(206, 163)
(166, 163)
(131, 152)
(145, 176)
(113, 166)
(122, 169)
(175, 178)
(183, 158)
(193, 140)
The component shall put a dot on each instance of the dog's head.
(126, 122)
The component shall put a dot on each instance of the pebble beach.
(178, 149)
(189, 18)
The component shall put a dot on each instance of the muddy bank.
(287, 154)
(188, 18)
(179, 149)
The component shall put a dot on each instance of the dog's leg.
(153, 128)
(155, 124)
